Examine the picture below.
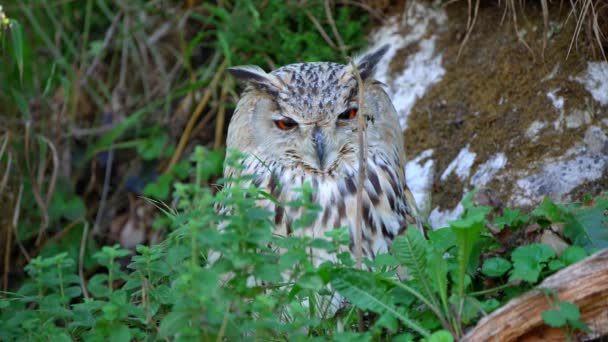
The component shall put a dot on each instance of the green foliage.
(563, 315)
(240, 282)
(529, 261)
(291, 39)
(495, 267)
(585, 226)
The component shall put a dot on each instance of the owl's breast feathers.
(387, 208)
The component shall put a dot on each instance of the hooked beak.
(319, 141)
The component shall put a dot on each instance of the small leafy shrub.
(243, 283)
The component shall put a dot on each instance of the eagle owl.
(298, 124)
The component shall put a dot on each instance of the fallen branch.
(584, 284)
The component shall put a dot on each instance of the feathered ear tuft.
(257, 77)
(367, 63)
(249, 73)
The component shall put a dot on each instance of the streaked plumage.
(296, 126)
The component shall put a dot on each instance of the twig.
(195, 115)
(105, 191)
(106, 41)
(16, 213)
(545, 9)
(319, 28)
(360, 176)
(362, 158)
(334, 29)
(83, 132)
(35, 185)
(375, 13)
(7, 259)
(219, 123)
(63, 232)
(9, 161)
(83, 243)
(53, 181)
(470, 25)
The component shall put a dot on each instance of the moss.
(491, 94)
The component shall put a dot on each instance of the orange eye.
(285, 124)
(348, 114)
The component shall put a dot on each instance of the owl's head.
(305, 115)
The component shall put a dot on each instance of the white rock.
(419, 178)
(486, 171)
(596, 81)
(461, 165)
(423, 68)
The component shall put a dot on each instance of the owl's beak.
(318, 139)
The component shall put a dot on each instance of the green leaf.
(437, 271)
(555, 265)
(467, 231)
(550, 210)
(569, 311)
(495, 267)
(17, 40)
(588, 227)
(528, 261)
(363, 290)
(510, 217)
(311, 281)
(572, 255)
(151, 147)
(440, 336)
(159, 189)
(490, 305)
(442, 239)
(553, 318)
(120, 333)
(410, 249)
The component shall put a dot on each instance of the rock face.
(507, 113)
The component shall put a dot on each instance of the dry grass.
(591, 17)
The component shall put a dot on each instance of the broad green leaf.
(410, 249)
(467, 231)
(572, 255)
(440, 336)
(553, 318)
(569, 311)
(495, 267)
(510, 217)
(588, 227)
(528, 261)
(551, 211)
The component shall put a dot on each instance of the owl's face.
(304, 116)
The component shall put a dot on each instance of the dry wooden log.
(584, 284)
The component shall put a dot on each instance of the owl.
(298, 124)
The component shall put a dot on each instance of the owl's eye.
(348, 114)
(285, 124)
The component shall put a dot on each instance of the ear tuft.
(249, 73)
(257, 77)
(367, 63)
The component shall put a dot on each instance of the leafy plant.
(242, 282)
(563, 314)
